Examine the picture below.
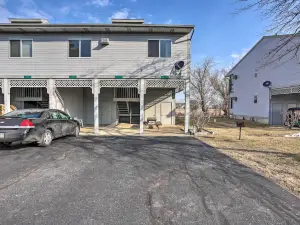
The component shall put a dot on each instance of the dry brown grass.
(263, 148)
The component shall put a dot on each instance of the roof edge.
(242, 59)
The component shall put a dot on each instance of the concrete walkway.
(128, 129)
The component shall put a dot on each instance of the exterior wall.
(126, 55)
(107, 108)
(247, 85)
(72, 101)
(158, 110)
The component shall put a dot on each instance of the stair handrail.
(59, 97)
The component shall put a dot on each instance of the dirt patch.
(263, 148)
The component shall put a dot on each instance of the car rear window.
(24, 114)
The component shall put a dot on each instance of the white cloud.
(101, 3)
(168, 21)
(121, 14)
(29, 9)
(133, 0)
(92, 18)
(5, 13)
(65, 10)
(239, 55)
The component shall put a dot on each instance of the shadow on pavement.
(222, 185)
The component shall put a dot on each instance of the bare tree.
(285, 19)
(199, 118)
(201, 89)
(221, 86)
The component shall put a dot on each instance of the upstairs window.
(21, 48)
(160, 48)
(80, 48)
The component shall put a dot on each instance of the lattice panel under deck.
(74, 83)
(295, 89)
(153, 83)
(28, 83)
(281, 91)
(118, 83)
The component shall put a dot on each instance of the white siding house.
(250, 98)
(101, 73)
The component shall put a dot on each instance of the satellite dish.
(176, 70)
(267, 83)
(179, 65)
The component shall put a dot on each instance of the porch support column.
(51, 92)
(96, 92)
(142, 92)
(187, 106)
(6, 92)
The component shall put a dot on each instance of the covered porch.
(281, 99)
(95, 100)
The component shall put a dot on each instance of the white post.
(96, 91)
(187, 106)
(142, 106)
(6, 92)
(51, 92)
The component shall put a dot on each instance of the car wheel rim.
(47, 138)
(77, 131)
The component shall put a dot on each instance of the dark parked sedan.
(39, 126)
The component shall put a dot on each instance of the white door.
(106, 113)
(166, 113)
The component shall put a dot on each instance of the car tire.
(77, 131)
(46, 139)
(6, 144)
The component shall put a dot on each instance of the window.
(231, 103)
(21, 48)
(24, 114)
(79, 48)
(55, 115)
(64, 116)
(160, 48)
(255, 98)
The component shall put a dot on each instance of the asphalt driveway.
(136, 180)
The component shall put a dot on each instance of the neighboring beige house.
(102, 73)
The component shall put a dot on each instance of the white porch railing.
(59, 97)
(28, 94)
(126, 94)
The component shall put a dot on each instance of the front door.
(106, 113)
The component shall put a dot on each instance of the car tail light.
(27, 124)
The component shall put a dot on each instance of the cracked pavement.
(136, 180)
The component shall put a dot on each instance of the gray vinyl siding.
(126, 55)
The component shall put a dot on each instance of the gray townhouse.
(123, 72)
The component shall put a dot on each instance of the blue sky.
(219, 33)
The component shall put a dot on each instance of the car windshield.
(24, 114)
